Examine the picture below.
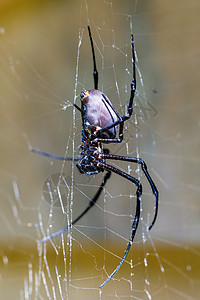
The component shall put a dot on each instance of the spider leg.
(53, 155)
(121, 120)
(90, 205)
(133, 83)
(95, 73)
(144, 169)
(137, 213)
(80, 109)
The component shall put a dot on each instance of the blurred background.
(45, 63)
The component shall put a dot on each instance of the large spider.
(100, 121)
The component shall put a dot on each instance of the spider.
(100, 122)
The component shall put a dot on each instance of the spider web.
(46, 61)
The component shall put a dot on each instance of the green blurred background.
(38, 59)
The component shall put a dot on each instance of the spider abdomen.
(97, 111)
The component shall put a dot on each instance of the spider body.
(102, 124)
(97, 114)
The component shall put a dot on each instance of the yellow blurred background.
(38, 86)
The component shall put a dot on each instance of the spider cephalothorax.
(100, 123)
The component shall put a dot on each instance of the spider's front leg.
(133, 84)
(111, 110)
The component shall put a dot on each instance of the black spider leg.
(137, 213)
(80, 109)
(121, 120)
(121, 124)
(95, 73)
(53, 155)
(91, 204)
(139, 161)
